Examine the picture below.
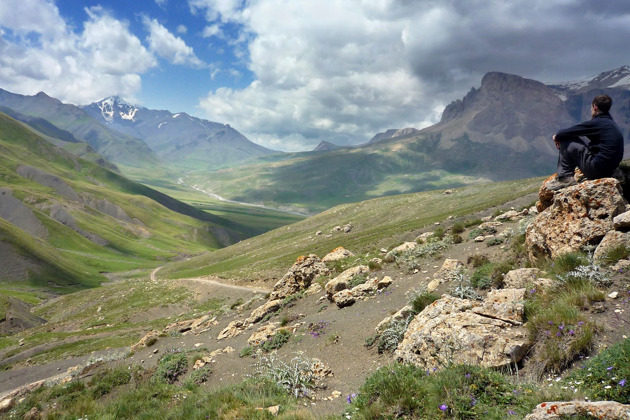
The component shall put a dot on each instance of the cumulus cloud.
(342, 71)
(168, 46)
(104, 58)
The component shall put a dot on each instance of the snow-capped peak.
(617, 78)
(115, 105)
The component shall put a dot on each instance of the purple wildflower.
(511, 412)
(580, 323)
(571, 332)
(467, 376)
(550, 322)
(350, 397)
(561, 326)
(558, 334)
(609, 368)
(444, 407)
(622, 382)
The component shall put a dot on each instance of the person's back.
(597, 159)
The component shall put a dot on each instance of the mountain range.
(499, 131)
(181, 140)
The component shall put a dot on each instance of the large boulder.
(299, 276)
(610, 410)
(576, 216)
(453, 330)
(342, 281)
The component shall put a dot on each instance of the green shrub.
(357, 280)
(477, 260)
(105, 381)
(438, 233)
(482, 277)
(170, 367)
(471, 223)
(276, 342)
(246, 351)
(391, 336)
(616, 253)
(200, 375)
(457, 239)
(494, 241)
(421, 300)
(458, 227)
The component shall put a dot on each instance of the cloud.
(168, 46)
(342, 71)
(182, 29)
(104, 58)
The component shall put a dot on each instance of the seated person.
(597, 158)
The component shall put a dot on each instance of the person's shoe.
(560, 183)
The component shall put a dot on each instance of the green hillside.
(66, 221)
(316, 181)
(377, 223)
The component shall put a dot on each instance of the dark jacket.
(606, 144)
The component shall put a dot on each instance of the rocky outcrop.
(576, 216)
(264, 310)
(342, 281)
(16, 212)
(337, 254)
(521, 277)
(147, 341)
(192, 326)
(48, 180)
(608, 410)
(453, 330)
(391, 255)
(299, 276)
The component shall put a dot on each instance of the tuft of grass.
(421, 299)
(457, 228)
(106, 380)
(170, 367)
(616, 253)
(276, 342)
(457, 391)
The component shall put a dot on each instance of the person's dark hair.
(603, 102)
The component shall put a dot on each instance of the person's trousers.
(575, 152)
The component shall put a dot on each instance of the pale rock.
(233, 329)
(448, 192)
(337, 254)
(314, 289)
(605, 410)
(384, 282)
(320, 370)
(519, 278)
(195, 326)
(402, 314)
(486, 218)
(343, 298)
(433, 285)
(508, 215)
(337, 228)
(479, 238)
(449, 267)
(262, 334)
(341, 281)
(148, 340)
(228, 350)
(199, 363)
(347, 228)
(6, 404)
(621, 265)
(622, 221)
(504, 304)
(263, 310)
(422, 238)
(448, 331)
(612, 239)
(318, 233)
(406, 246)
(377, 261)
(299, 277)
(574, 217)
(613, 295)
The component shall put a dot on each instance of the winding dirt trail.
(211, 282)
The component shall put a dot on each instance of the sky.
(289, 74)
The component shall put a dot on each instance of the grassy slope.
(317, 181)
(378, 223)
(68, 259)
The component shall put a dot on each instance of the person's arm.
(586, 128)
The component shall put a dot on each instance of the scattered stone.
(342, 280)
(508, 215)
(391, 255)
(147, 341)
(263, 310)
(622, 221)
(450, 267)
(621, 265)
(347, 228)
(422, 238)
(568, 409)
(613, 295)
(233, 329)
(336, 394)
(480, 238)
(195, 326)
(403, 313)
(448, 192)
(433, 285)
(337, 254)
(611, 240)
(521, 277)
(318, 233)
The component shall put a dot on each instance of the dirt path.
(13, 379)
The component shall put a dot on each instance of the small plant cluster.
(479, 231)
(464, 289)
(170, 367)
(316, 329)
(391, 336)
(296, 377)
(605, 376)
(275, 342)
(410, 259)
(420, 299)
